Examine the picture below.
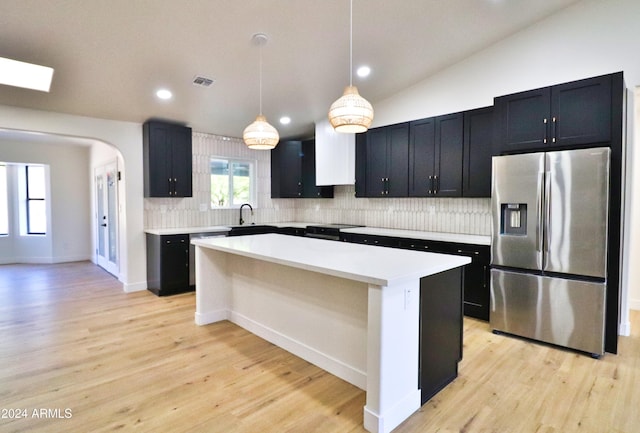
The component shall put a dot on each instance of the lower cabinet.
(440, 331)
(168, 264)
(475, 275)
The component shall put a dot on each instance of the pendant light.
(351, 112)
(260, 135)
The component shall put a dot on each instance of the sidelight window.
(4, 201)
(36, 200)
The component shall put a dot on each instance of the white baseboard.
(49, 260)
(634, 304)
(211, 317)
(393, 417)
(625, 329)
(334, 366)
(134, 287)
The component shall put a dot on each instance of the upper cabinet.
(293, 171)
(567, 115)
(167, 160)
(479, 133)
(435, 156)
(387, 156)
(443, 156)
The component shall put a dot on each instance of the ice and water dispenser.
(513, 219)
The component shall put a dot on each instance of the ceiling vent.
(201, 81)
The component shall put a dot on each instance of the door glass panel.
(100, 204)
(111, 203)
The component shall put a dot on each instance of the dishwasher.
(192, 252)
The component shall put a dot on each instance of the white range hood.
(335, 156)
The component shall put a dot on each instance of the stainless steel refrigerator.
(549, 247)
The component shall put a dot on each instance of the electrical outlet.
(408, 298)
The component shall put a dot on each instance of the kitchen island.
(353, 310)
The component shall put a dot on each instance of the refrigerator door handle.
(540, 205)
(547, 211)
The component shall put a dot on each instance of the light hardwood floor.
(97, 359)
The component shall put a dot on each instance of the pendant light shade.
(260, 135)
(351, 112)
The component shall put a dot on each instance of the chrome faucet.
(243, 205)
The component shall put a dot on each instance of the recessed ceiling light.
(164, 94)
(363, 71)
(26, 75)
(285, 120)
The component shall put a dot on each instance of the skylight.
(26, 75)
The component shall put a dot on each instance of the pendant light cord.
(260, 73)
(351, 44)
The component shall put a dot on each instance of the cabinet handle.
(468, 252)
(546, 130)
(554, 129)
(430, 185)
(484, 276)
(436, 181)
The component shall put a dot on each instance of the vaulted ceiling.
(111, 56)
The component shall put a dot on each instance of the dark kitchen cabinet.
(361, 165)
(476, 280)
(479, 134)
(567, 115)
(387, 154)
(435, 156)
(476, 274)
(293, 171)
(168, 264)
(167, 156)
(441, 325)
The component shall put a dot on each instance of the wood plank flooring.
(77, 354)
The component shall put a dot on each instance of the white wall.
(127, 138)
(69, 236)
(590, 38)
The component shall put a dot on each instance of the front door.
(106, 184)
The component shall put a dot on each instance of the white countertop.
(219, 229)
(416, 234)
(376, 231)
(365, 263)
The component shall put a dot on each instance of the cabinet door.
(476, 280)
(476, 161)
(157, 160)
(181, 158)
(376, 162)
(448, 169)
(398, 160)
(361, 165)
(308, 167)
(524, 120)
(581, 112)
(286, 169)
(174, 264)
(422, 151)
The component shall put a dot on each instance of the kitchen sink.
(251, 229)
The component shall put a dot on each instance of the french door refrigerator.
(549, 247)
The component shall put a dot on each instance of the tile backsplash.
(454, 215)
